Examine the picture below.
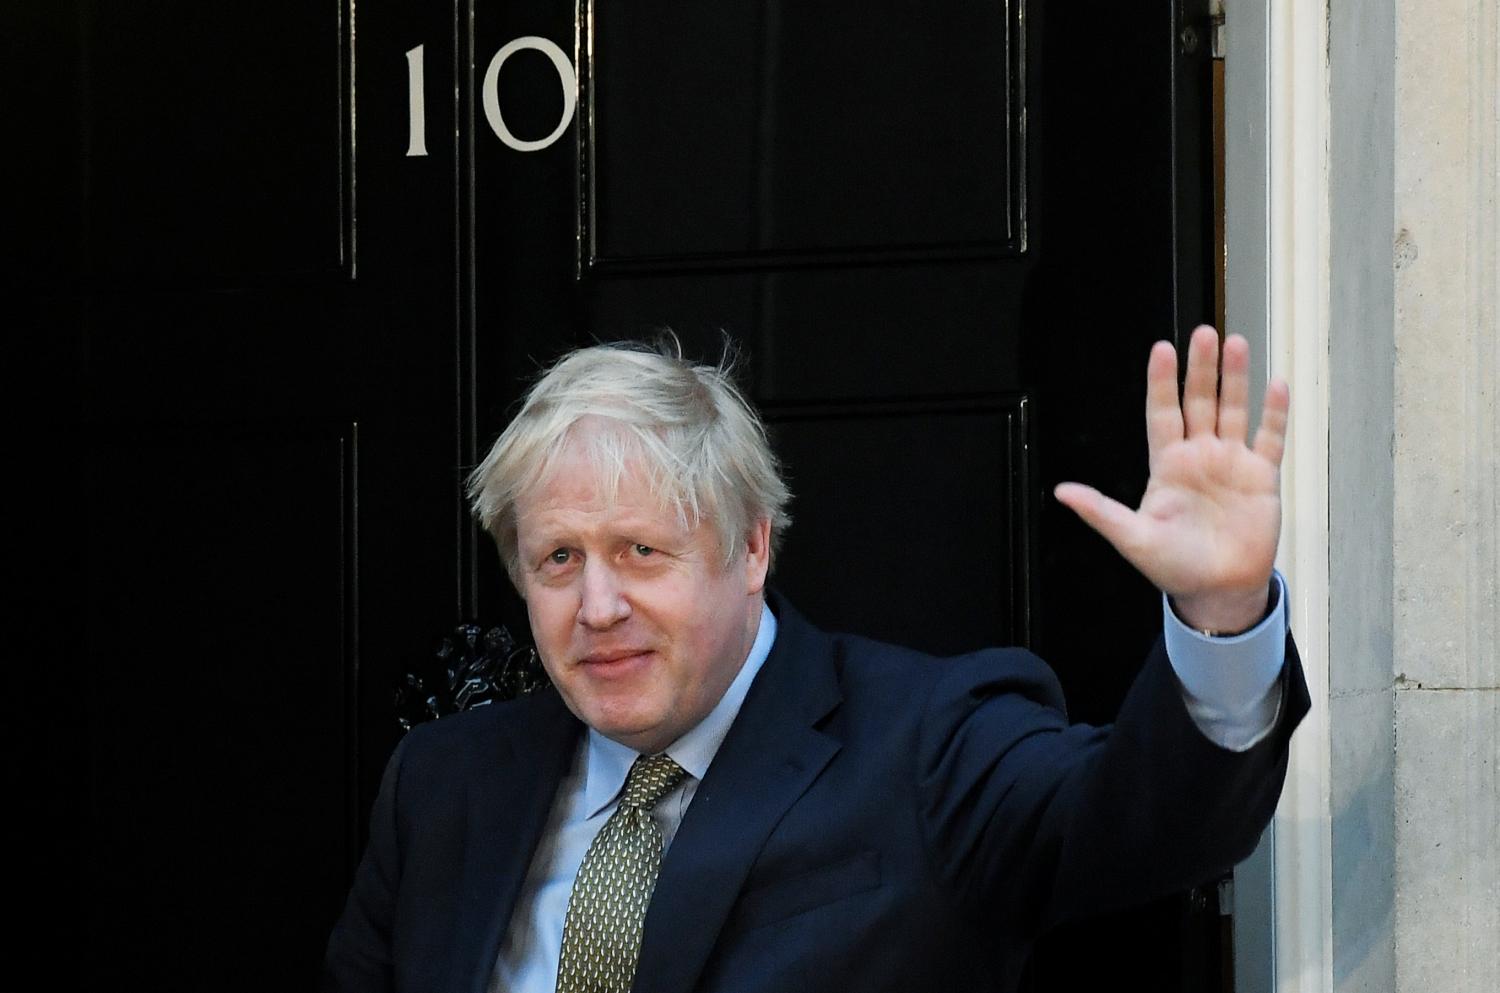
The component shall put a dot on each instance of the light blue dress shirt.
(1231, 687)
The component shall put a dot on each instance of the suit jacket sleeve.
(360, 948)
(1037, 821)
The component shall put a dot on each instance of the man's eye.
(643, 550)
(559, 556)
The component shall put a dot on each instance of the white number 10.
(490, 96)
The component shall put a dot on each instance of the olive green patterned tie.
(607, 911)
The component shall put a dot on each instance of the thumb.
(1112, 519)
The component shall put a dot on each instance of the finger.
(1234, 390)
(1116, 522)
(1270, 438)
(1163, 415)
(1200, 394)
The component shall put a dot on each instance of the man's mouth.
(615, 658)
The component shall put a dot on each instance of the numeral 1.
(416, 104)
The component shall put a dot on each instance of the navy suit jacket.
(876, 819)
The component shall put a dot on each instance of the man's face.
(637, 620)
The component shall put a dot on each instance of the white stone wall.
(1446, 519)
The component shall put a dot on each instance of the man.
(715, 795)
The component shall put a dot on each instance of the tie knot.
(651, 778)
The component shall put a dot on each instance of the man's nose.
(602, 600)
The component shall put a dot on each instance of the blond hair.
(701, 447)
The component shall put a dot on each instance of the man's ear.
(757, 556)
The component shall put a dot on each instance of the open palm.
(1207, 527)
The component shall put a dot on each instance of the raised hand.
(1207, 527)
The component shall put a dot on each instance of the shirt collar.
(609, 762)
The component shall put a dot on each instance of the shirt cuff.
(1231, 685)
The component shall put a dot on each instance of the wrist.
(1223, 613)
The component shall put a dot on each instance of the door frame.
(1278, 273)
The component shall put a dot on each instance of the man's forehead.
(577, 475)
(575, 484)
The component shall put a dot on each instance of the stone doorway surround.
(1362, 262)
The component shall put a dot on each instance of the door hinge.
(1216, 28)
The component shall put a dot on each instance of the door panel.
(220, 776)
(735, 134)
(222, 131)
(865, 553)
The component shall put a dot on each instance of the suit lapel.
(769, 758)
(508, 806)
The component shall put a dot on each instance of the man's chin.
(631, 726)
(647, 740)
